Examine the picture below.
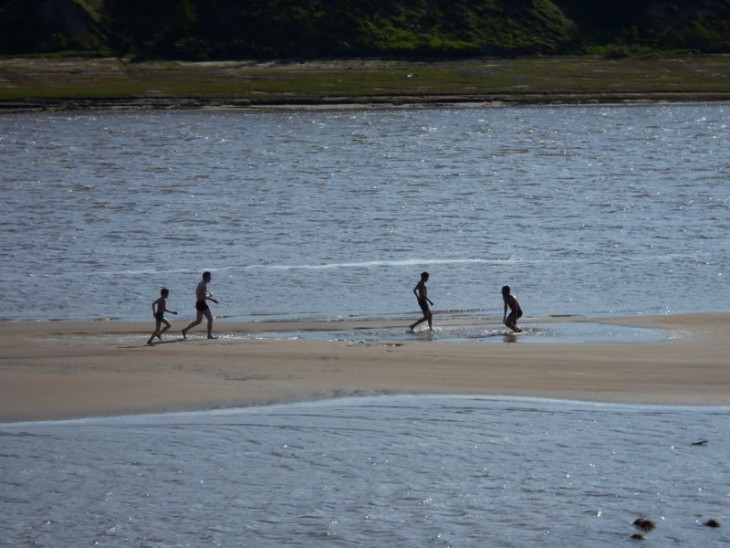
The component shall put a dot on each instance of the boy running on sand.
(159, 307)
(421, 293)
(202, 295)
(515, 310)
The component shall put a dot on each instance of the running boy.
(202, 296)
(159, 307)
(421, 293)
(515, 310)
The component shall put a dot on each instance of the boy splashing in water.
(421, 293)
(515, 310)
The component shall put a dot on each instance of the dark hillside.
(694, 25)
(306, 29)
(220, 29)
(49, 26)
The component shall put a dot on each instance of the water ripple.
(583, 210)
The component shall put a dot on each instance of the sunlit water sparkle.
(397, 471)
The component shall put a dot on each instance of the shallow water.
(397, 471)
(585, 211)
(534, 332)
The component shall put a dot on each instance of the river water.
(420, 471)
(586, 211)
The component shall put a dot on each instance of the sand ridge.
(57, 370)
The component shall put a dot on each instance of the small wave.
(136, 272)
(380, 263)
(79, 187)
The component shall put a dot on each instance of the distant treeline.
(276, 29)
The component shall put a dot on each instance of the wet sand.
(57, 370)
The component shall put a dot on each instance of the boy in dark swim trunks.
(159, 307)
(202, 295)
(515, 309)
(421, 293)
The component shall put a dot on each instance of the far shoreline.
(357, 103)
(36, 84)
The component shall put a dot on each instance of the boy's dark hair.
(424, 275)
(506, 289)
(206, 274)
(164, 292)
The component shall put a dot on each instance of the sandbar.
(62, 370)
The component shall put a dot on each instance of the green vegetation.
(68, 83)
(375, 51)
(226, 29)
(309, 29)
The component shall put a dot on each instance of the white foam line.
(370, 264)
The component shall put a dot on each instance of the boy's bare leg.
(198, 319)
(413, 326)
(155, 333)
(210, 324)
(512, 324)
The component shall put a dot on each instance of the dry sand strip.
(57, 370)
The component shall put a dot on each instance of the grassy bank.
(70, 83)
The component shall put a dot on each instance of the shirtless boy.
(421, 293)
(515, 310)
(202, 296)
(159, 307)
